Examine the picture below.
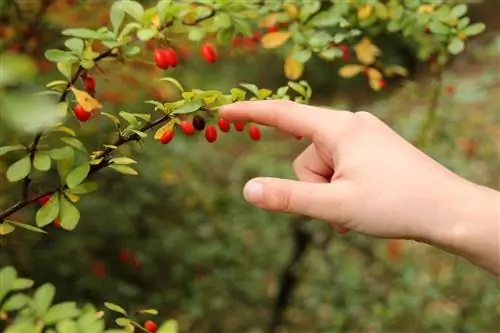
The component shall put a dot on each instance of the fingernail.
(253, 191)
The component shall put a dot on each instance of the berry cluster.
(199, 124)
(89, 85)
(167, 58)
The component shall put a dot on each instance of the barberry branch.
(429, 124)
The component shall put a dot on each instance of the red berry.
(450, 89)
(224, 125)
(99, 268)
(161, 59)
(167, 137)
(237, 40)
(273, 28)
(124, 256)
(383, 83)
(171, 55)
(256, 36)
(187, 127)
(89, 83)
(43, 200)
(209, 53)
(81, 114)
(239, 126)
(57, 224)
(346, 53)
(150, 326)
(254, 132)
(211, 133)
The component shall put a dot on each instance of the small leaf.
(85, 188)
(78, 175)
(87, 102)
(8, 276)
(238, 94)
(16, 302)
(366, 51)
(349, 71)
(302, 56)
(115, 308)
(170, 326)
(189, 107)
(164, 129)
(133, 8)
(196, 34)
(122, 321)
(151, 312)
(293, 69)
(19, 170)
(251, 87)
(111, 117)
(25, 226)
(459, 10)
(41, 161)
(7, 149)
(124, 169)
(474, 29)
(123, 160)
(456, 46)
(60, 312)
(42, 298)
(48, 212)
(22, 284)
(69, 215)
(146, 34)
(57, 83)
(174, 82)
(59, 56)
(275, 39)
(61, 153)
(6, 229)
(75, 143)
(298, 88)
(129, 117)
(116, 15)
(75, 44)
(65, 129)
(64, 68)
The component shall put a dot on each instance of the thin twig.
(430, 121)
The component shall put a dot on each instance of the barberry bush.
(55, 169)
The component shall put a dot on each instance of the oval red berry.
(150, 326)
(209, 53)
(224, 125)
(81, 114)
(43, 200)
(187, 127)
(211, 133)
(167, 137)
(89, 83)
(172, 58)
(57, 224)
(254, 132)
(239, 126)
(161, 59)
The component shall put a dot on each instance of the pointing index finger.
(295, 118)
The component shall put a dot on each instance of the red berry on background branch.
(187, 127)
(254, 132)
(167, 137)
(172, 58)
(383, 83)
(161, 59)
(43, 200)
(346, 53)
(81, 114)
(124, 255)
(211, 133)
(209, 53)
(150, 326)
(272, 28)
(224, 125)
(239, 126)
(89, 83)
(199, 122)
(450, 89)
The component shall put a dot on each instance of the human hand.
(357, 174)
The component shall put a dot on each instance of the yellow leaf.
(396, 70)
(374, 74)
(6, 228)
(155, 22)
(426, 9)
(87, 102)
(366, 51)
(164, 129)
(365, 12)
(349, 71)
(375, 84)
(293, 69)
(275, 39)
(74, 198)
(269, 20)
(292, 10)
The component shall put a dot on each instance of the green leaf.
(298, 88)
(6, 229)
(65, 68)
(22, 283)
(69, 215)
(174, 82)
(170, 326)
(83, 33)
(25, 226)
(16, 302)
(55, 55)
(438, 28)
(238, 94)
(189, 107)
(42, 298)
(87, 63)
(7, 149)
(242, 26)
(146, 34)
(320, 39)
(142, 135)
(122, 321)
(222, 20)
(459, 10)
(251, 87)
(123, 160)
(151, 312)
(309, 8)
(162, 8)
(196, 34)
(78, 175)
(129, 117)
(41, 161)
(116, 15)
(124, 169)
(19, 170)
(474, 29)
(325, 18)
(76, 45)
(58, 85)
(75, 143)
(61, 311)
(264, 93)
(131, 50)
(133, 8)
(115, 308)
(48, 212)
(85, 188)
(7, 276)
(456, 46)
(281, 92)
(61, 153)
(224, 36)
(330, 54)
(302, 56)
(67, 326)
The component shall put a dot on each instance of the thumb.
(282, 195)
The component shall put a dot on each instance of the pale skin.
(359, 175)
